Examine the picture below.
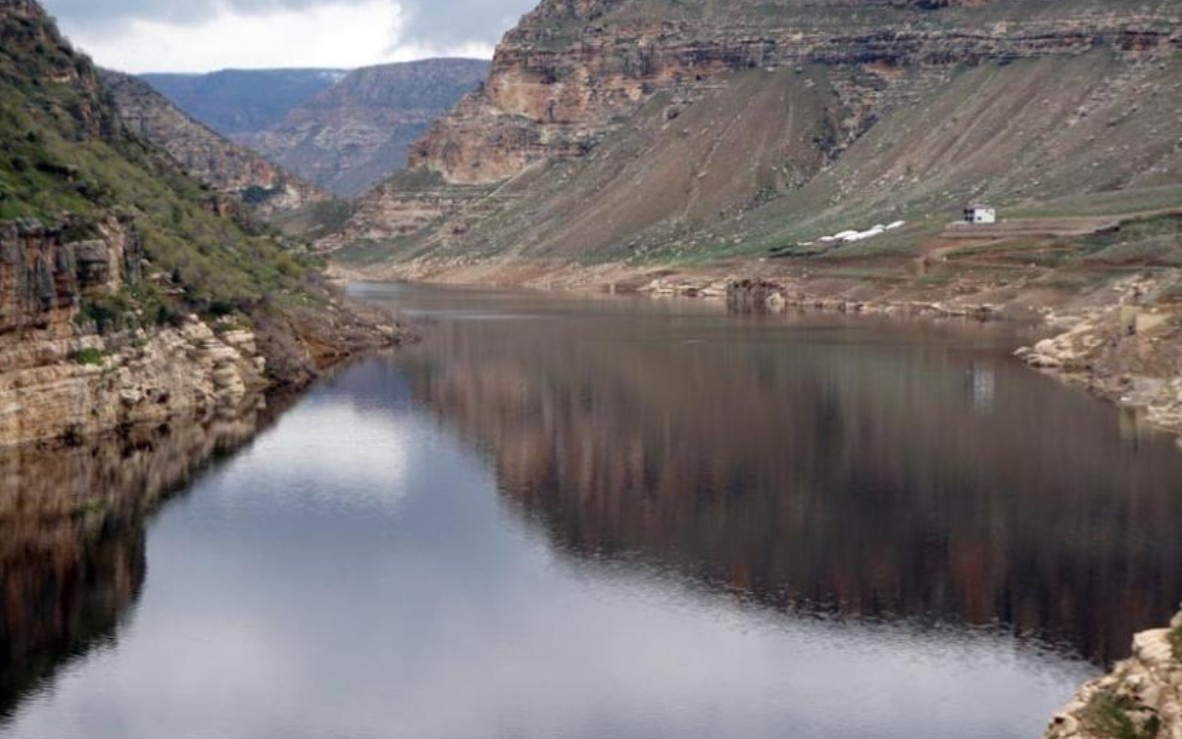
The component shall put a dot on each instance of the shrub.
(93, 357)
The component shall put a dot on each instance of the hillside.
(649, 134)
(130, 292)
(354, 134)
(225, 166)
(235, 101)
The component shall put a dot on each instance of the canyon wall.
(637, 131)
(570, 72)
(357, 132)
(61, 377)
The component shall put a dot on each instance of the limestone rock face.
(223, 165)
(1129, 353)
(141, 379)
(632, 131)
(575, 69)
(47, 389)
(42, 278)
(1142, 696)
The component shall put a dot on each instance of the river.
(597, 517)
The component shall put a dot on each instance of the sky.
(207, 35)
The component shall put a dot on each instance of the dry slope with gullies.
(750, 125)
(682, 147)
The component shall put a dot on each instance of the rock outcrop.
(223, 165)
(1130, 352)
(59, 377)
(1141, 698)
(356, 133)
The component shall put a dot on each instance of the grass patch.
(88, 357)
(1176, 642)
(1113, 203)
(1117, 717)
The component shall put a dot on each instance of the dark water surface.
(565, 517)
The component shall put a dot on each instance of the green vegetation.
(1112, 203)
(64, 154)
(1176, 642)
(316, 219)
(1118, 717)
(93, 357)
(365, 252)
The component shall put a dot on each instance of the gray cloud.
(437, 23)
(443, 22)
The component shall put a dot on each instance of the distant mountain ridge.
(236, 101)
(352, 135)
(343, 130)
(222, 164)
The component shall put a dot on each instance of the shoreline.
(1108, 341)
(63, 388)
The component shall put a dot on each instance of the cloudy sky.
(206, 35)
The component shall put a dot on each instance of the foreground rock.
(62, 375)
(1140, 699)
(1130, 352)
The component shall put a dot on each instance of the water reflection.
(72, 536)
(588, 525)
(837, 466)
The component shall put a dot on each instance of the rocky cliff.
(129, 291)
(357, 132)
(220, 163)
(570, 72)
(637, 129)
(60, 375)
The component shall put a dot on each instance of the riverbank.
(1116, 338)
(1140, 699)
(62, 382)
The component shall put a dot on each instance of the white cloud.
(338, 35)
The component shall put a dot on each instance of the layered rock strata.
(59, 377)
(570, 72)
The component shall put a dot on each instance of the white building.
(979, 214)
